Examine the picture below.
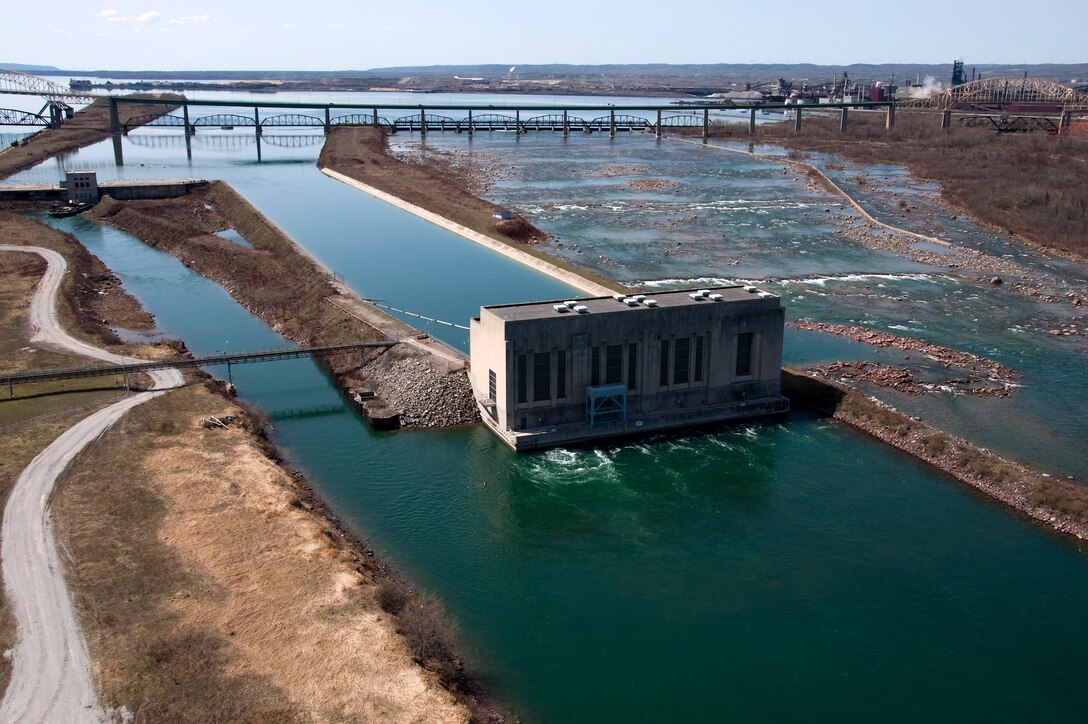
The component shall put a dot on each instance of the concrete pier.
(844, 120)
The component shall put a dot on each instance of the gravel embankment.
(425, 395)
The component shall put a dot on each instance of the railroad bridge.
(196, 115)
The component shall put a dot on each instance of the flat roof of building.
(605, 305)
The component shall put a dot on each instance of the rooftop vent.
(704, 292)
(715, 297)
(571, 305)
(651, 302)
(750, 289)
(696, 296)
(581, 308)
(619, 297)
(632, 302)
(640, 297)
(560, 307)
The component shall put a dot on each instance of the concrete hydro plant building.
(552, 373)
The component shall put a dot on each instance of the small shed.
(82, 186)
(502, 214)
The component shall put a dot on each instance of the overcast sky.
(356, 35)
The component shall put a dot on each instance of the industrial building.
(561, 372)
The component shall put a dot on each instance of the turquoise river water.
(759, 572)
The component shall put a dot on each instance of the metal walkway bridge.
(10, 380)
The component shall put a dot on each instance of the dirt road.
(51, 679)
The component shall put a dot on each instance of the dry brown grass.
(91, 300)
(209, 592)
(1030, 184)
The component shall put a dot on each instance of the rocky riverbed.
(975, 375)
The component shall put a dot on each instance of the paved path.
(52, 680)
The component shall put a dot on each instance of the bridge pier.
(517, 121)
(752, 120)
(422, 123)
(1064, 120)
(889, 122)
(844, 120)
(257, 123)
(115, 121)
(566, 124)
(611, 124)
(375, 117)
(328, 121)
(657, 128)
(797, 119)
(470, 122)
(706, 123)
(189, 130)
(946, 119)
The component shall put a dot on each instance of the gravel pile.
(425, 396)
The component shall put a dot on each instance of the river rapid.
(755, 572)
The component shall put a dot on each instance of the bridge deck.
(142, 366)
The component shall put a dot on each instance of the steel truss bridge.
(13, 81)
(992, 94)
(470, 119)
(227, 359)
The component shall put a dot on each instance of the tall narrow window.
(595, 367)
(561, 374)
(522, 379)
(744, 353)
(613, 364)
(632, 365)
(681, 360)
(491, 389)
(542, 376)
(698, 376)
(663, 375)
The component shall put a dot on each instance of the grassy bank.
(273, 279)
(1028, 184)
(89, 126)
(91, 303)
(1059, 504)
(208, 589)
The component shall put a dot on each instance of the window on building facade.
(744, 353)
(491, 385)
(680, 361)
(698, 374)
(613, 364)
(632, 365)
(542, 376)
(663, 375)
(561, 374)
(522, 376)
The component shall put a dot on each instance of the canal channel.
(758, 572)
